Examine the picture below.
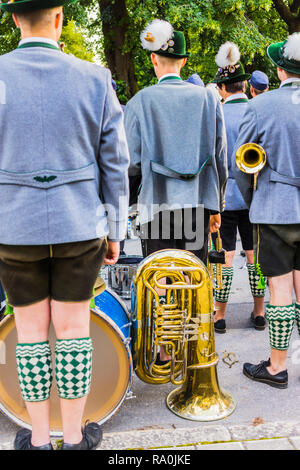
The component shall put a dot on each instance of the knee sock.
(34, 370)
(222, 295)
(73, 367)
(281, 322)
(254, 279)
(297, 311)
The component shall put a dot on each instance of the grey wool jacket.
(177, 142)
(63, 154)
(272, 120)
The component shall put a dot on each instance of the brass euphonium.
(251, 158)
(183, 325)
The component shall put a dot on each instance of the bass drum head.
(111, 377)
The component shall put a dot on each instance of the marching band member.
(259, 83)
(272, 121)
(53, 240)
(231, 80)
(177, 143)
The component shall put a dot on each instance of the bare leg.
(32, 324)
(296, 276)
(71, 321)
(259, 302)
(222, 306)
(281, 290)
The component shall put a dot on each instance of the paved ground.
(265, 418)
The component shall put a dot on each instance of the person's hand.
(113, 252)
(214, 223)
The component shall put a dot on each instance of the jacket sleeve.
(247, 134)
(113, 164)
(221, 154)
(133, 134)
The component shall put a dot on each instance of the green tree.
(75, 42)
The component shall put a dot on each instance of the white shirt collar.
(289, 80)
(169, 75)
(236, 96)
(38, 39)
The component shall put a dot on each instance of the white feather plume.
(228, 54)
(292, 47)
(159, 32)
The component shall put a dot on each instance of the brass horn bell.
(251, 159)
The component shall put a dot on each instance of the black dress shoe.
(159, 362)
(220, 326)
(259, 373)
(23, 442)
(259, 322)
(91, 438)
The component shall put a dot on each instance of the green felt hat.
(159, 37)
(231, 69)
(280, 56)
(23, 6)
(231, 74)
(175, 47)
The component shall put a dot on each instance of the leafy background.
(107, 32)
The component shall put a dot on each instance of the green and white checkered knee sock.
(222, 295)
(254, 279)
(297, 313)
(281, 322)
(73, 367)
(34, 370)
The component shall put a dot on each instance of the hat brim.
(238, 78)
(274, 55)
(23, 6)
(174, 56)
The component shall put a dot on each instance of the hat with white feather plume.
(159, 37)
(286, 55)
(230, 69)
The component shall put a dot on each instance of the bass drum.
(112, 365)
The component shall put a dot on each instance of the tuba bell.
(183, 324)
(251, 159)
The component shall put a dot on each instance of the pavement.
(265, 418)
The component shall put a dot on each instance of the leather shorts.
(65, 272)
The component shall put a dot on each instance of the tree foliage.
(113, 27)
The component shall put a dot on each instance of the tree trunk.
(290, 13)
(115, 24)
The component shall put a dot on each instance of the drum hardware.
(130, 395)
(121, 275)
(251, 159)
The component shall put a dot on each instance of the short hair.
(234, 87)
(291, 75)
(259, 92)
(168, 60)
(38, 17)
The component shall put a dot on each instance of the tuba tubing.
(183, 324)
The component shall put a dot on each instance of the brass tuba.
(251, 158)
(184, 326)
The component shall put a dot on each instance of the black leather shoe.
(91, 438)
(259, 373)
(220, 326)
(259, 322)
(23, 442)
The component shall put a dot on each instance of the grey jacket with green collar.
(177, 142)
(272, 120)
(63, 152)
